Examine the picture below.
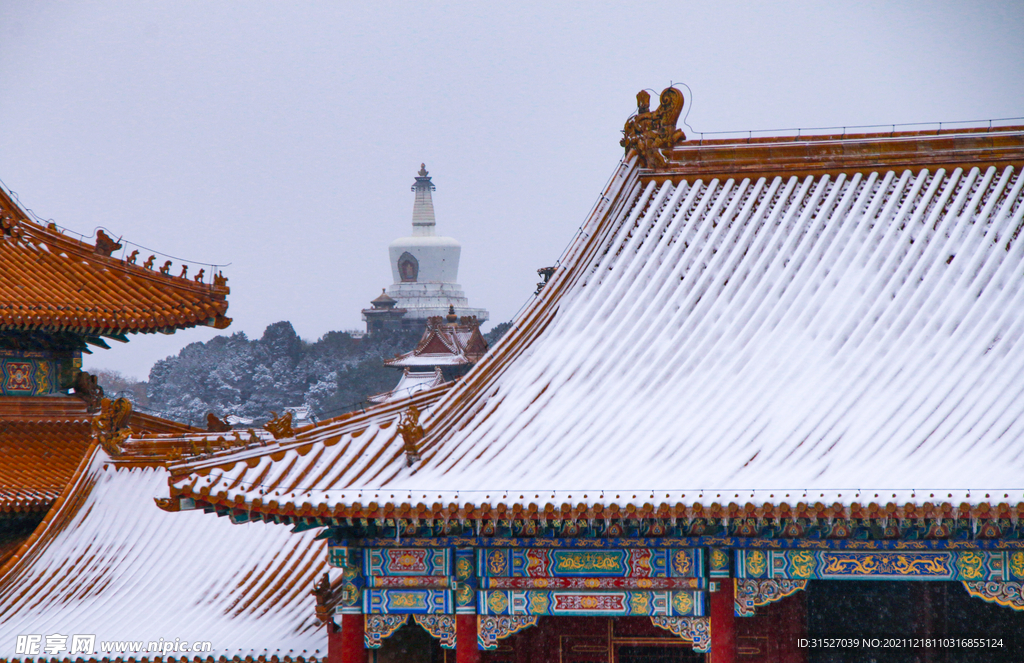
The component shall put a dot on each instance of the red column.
(345, 642)
(723, 623)
(466, 649)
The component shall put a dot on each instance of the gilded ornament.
(682, 603)
(682, 564)
(497, 602)
(971, 565)
(719, 559)
(280, 426)
(111, 426)
(539, 603)
(463, 568)
(1017, 564)
(639, 603)
(756, 562)
(801, 564)
(496, 563)
(412, 432)
(650, 133)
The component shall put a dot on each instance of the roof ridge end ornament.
(111, 426)
(280, 426)
(649, 132)
(412, 432)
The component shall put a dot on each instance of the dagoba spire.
(423, 205)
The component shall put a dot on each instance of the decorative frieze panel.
(718, 563)
(593, 603)
(592, 583)
(490, 629)
(441, 627)
(967, 565)
(408, 601)
(407, 562)
(695, 630)
(28, 374)
(377, 628)
(621, 563)
(465, 581)
(751, 594)
(411, 582)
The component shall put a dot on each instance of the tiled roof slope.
(335, 457)
(42, 441)
(107, 561)
(51, 282)
(842, 325)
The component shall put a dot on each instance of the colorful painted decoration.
(338, 556)
(592, 583)
(620, 563)
(750, 594)
(23, 374)
(718, 563)
(490, 629)
(966, 565)
(1006, 594)
(407, 601)
(593, 603)
(411, 582)
(441, 627)
(695, 630)
(407, 562)
(377, 628)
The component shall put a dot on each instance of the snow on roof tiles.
(320, 465)
(839, 337)
(107, 561)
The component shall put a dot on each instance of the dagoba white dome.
(425, 266)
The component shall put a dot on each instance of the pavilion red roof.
(445, 343)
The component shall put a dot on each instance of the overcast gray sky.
(283, 137)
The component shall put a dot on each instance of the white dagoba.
(425, 266)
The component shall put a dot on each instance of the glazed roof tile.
(107, 561)
(51, 282)
(847, 335)
(42, 441)
(38, 459)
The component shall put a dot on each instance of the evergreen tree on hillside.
(251, 378)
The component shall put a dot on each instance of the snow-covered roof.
(836, 320)
(108, 562)
(296, 476)
(411, 382)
